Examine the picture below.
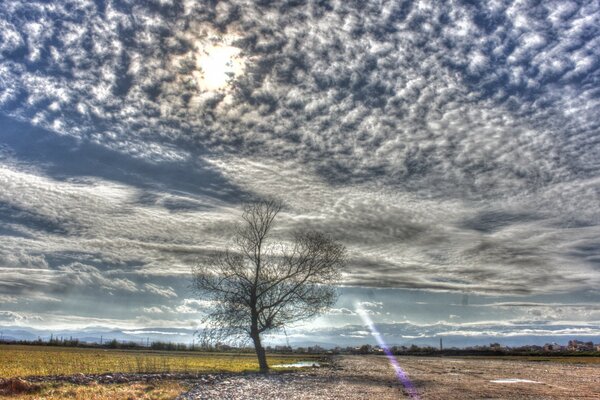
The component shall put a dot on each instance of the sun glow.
(218, 65)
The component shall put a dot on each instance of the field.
(352, 377)
(24, 361)
(166, 390)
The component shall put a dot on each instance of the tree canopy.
(260, 284)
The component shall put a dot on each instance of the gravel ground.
(345, 379)
(362, 377)
(110, 378)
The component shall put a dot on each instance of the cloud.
(341, 311)
(451, 147)
(411, 103)
(407, 332)
(10, 318)
(370, 304)
(194, 306)
(8, 299)
(85, 275)
(161, 291)
(153, 310)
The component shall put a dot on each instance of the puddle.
(299, 364)
(513, 380)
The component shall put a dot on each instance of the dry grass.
(23, 361)
(164, 390)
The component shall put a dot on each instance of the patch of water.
(298, 364)
(513, 380)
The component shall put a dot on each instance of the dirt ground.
(359, 377)
(451, 378)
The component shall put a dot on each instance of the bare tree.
(261, 285)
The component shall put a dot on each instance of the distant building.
(551, 347)
(578, 345)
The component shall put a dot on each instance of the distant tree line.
(59, 341)
(119, 344)
(494, 349)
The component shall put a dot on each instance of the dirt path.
(358, 377)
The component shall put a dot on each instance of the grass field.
(164, 390)
(23, 361)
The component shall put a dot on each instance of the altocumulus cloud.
(451, 147)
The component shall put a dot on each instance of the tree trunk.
(260, 353)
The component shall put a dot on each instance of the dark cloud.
(12, 216)
(488, 222)
(588, 252)
(63, 158)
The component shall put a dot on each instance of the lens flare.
(400, 374)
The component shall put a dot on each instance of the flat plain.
(512, 378)
(232, 376)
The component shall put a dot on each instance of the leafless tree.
(261, 285)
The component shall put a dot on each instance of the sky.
(452, 147)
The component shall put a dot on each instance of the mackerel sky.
(452, 146)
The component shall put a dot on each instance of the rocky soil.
(346, 378)
(434, 378)
(84, 379)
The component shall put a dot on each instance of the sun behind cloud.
(217, 65)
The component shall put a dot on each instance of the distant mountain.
(181, 335)
(96, 335)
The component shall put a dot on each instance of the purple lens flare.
(400, 374)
